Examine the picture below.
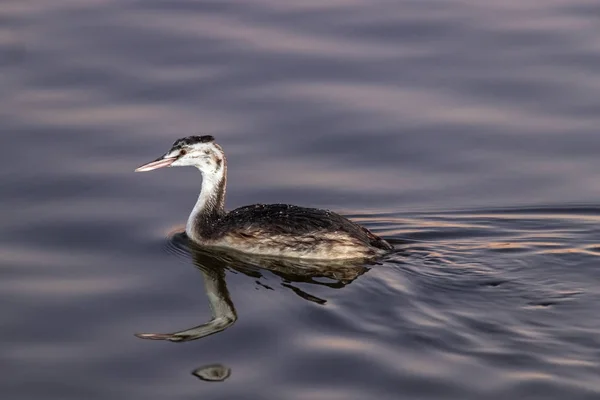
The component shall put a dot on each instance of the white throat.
(210, 203)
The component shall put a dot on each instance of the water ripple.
(464, 132)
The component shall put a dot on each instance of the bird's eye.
(182, 152)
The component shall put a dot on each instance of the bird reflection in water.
(213, 265)
(212, 373)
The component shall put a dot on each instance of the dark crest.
(187, 141)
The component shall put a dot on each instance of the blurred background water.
(463, 131)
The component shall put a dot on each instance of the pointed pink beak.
(158, 163)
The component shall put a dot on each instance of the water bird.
(280, 230)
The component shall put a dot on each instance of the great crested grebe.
(264, 229)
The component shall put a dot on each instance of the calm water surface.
(465, 132)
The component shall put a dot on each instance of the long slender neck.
(210, 206)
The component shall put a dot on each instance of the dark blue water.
(465, 132)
